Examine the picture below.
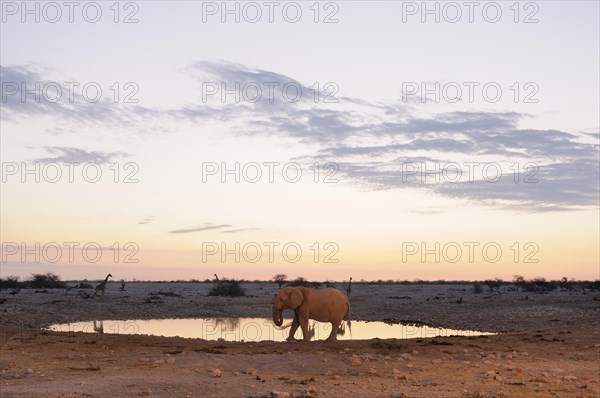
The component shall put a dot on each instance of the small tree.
(280, 279)
(519, 281)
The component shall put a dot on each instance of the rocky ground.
(549, 345)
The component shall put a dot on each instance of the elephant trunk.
(277, 318)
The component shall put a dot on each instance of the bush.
(46, 281)
(10, 282)
(477, 288)
(539, 285)
(493, 284)
(229, 288)
(594, 285)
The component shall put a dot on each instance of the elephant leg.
(293, 328)
(304, 325)
(334, 331)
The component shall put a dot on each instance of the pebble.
(217, 373)
(280, 394)
(170, 360)
(436, 361)
(355, 360)
(308, 393)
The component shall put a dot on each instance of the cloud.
(146, 220)
(202, 227)
(52, 97)
(369, 141)
(76, 155)
(235, 231)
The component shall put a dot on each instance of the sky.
(374, 140)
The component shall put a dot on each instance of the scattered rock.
(355, 360)
(217, 373)
(436, 361)
(280, 394)
(308, 393)
(170, 360)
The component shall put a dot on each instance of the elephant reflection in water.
(99, 328)
(228, 324)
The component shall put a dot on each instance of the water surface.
(257, 329)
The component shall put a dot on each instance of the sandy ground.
(549, 345)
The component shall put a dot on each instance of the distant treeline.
(518, 283)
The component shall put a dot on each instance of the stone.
(355, 360)
(308, 393)
(217, 373)
(280, 394)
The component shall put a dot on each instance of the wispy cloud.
(77, 155)
(146, 220)
(69, 106)
(200, 228)
(371, 141)
(235, 231)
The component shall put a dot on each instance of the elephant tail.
(347, 316)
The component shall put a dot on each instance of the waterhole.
(257, 329)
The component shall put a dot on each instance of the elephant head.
(288, 297)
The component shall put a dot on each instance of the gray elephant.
(323, 305)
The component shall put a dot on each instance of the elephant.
(323, 305)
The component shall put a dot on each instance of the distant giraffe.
(349, 287)
(216, 278)
(100, 288)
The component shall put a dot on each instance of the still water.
(257, 329)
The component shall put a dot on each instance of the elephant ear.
(296, 298)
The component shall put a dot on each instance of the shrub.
(539, 285)
(229, 288)
(46, 281)
(299, 281)
(594, 285)
(493, 284)
(10, 282)
(477, 288)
